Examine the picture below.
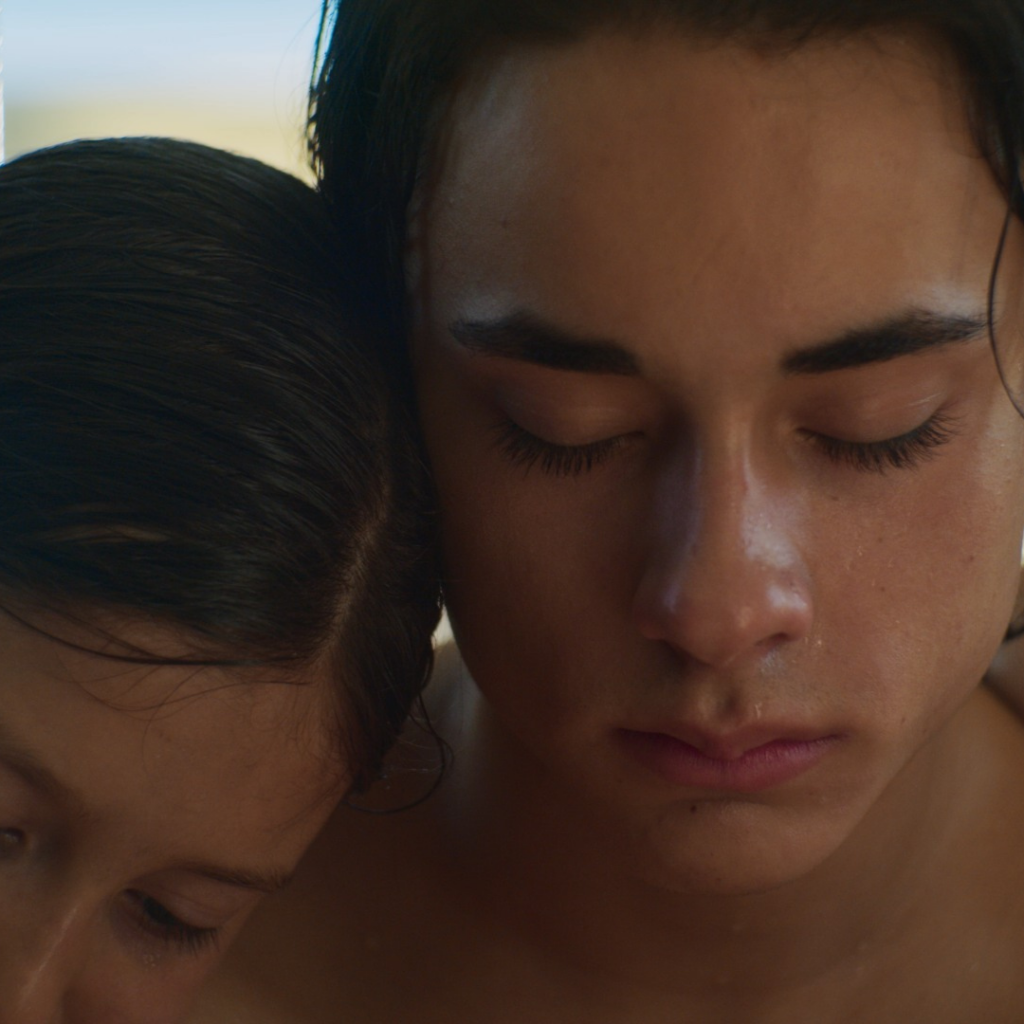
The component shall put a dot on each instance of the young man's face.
(732, 493)
(144, 811)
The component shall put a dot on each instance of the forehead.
(658, 173)
(168, 753)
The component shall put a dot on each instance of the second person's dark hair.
(388, 67)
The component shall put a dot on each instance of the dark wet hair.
(191, 433)
(388, 67)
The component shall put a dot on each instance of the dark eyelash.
(907, 451)
(154, 918)
(904, 452)
(526, 450)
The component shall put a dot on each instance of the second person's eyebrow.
(525, 337)
(916, 330)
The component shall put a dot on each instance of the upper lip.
(731, 745)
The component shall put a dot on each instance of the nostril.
(768, 644)
(747, 612)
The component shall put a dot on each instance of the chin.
(733, 848)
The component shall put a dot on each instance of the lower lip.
(764, 767)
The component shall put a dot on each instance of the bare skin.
(725, 538)
(144, 812)
(417, 927)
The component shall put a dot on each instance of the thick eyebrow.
(528, 339)
(917, 330)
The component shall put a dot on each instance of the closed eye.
(906, 451)
(156, 921)
(525, 450)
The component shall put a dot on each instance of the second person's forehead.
(718, 93)
(622, 174)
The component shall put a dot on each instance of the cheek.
(918, 590)
(537, 568)
(528, 581)
(122, 993)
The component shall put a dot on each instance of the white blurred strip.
(1, 89)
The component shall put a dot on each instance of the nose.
(39, 961)
(723, 581)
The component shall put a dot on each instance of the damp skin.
(705, 381)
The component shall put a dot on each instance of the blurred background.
(231, 73)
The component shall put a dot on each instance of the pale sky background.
(231, 73)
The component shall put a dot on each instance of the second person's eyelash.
(526, 450)
(903, 452)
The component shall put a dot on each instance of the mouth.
(733, 764)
